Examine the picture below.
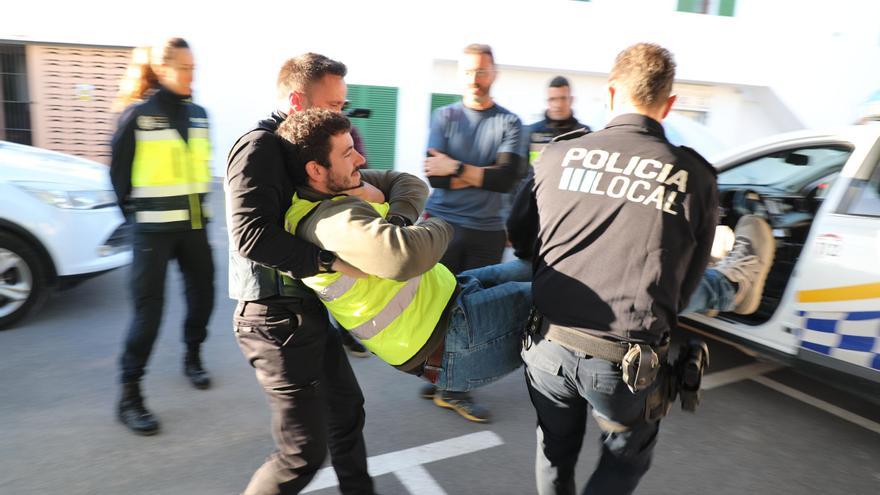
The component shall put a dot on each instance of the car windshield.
(788, 170)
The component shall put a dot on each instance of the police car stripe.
(863, 315)
(853, 337)
(853, 343)
(823, 349)
(847, 293)
(821, 325)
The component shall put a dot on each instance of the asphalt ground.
(762, 428)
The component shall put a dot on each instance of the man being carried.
(456, 332)
(410, 310)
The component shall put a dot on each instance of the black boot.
(192, 368)
(132, 412)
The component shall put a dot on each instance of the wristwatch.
(325, 260)
(399, 220)
(459, 170)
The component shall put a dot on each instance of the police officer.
(160, 172)
(626, 226)
(558, 119)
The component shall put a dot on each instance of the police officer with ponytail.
(160, 169)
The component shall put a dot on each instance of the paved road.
(754, 433)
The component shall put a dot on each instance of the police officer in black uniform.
(626, 226)
(160, 170)
(558, 119)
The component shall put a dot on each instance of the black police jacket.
(543, 131)
(626, 226)
(258, 193)
(163, 104)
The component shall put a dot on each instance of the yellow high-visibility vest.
(392, 319)
(170, 177)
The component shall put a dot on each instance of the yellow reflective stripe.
(337, 288)
(157, 135)
(846, 293)
(170, 190)
(161, 216)
(196, 208)
(535, 150)
(395, 307)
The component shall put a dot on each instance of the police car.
(59, 224)
(820, 192)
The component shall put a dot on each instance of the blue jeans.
(484, 334)
(714, 292)
(562, 385)
(486, 321)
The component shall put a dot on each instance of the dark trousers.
(314, 397)
(151, 253)
(563, 385)
(471, 248)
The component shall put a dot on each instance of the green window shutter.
(690, 6)
(722, 7)
(379, 131)
(442, 99)
(727, 7)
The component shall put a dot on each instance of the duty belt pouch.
(532, 328)
(640, 366)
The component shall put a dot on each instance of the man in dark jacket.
(558, 119)
(626, 227)
(282, 329)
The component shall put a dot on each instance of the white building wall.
(777, 65)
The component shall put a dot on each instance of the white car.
(59, 224)
(820, 192)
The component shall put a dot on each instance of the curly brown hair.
(307, 135)
(646, 72)
(299, 72)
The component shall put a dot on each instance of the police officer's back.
(626, 226)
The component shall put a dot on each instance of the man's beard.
(337, 186)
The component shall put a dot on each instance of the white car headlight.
(68, 196)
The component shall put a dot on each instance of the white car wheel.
(23, 279)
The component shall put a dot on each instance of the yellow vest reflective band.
(170, 176)
(535, 150)
(392, 319)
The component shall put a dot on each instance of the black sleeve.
(258, 194)
(122, 155)
(522, 224)
(504, 174)
(440, 181)
(705, 235)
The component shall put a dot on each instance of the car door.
(836, 293)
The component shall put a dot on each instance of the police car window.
(863, 198)
(788, 170)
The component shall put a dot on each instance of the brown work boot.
(749, 262)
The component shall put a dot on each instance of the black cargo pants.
(314, 397)
(151, 253)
